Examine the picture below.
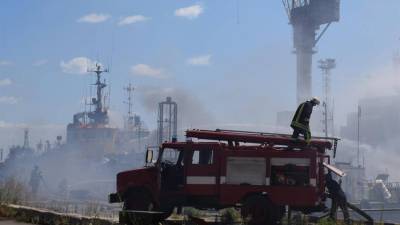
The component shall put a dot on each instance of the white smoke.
(380, 83)
(191, 111)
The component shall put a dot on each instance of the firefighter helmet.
(315, 100)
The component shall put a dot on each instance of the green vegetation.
(230, 215)
(189, 211)
(13, 191)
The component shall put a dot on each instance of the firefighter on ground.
(301, 119)
(36, 178)
(338, 198)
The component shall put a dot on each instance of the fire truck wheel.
(138, 200)
(258, 210)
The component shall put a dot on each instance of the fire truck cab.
(260, 173)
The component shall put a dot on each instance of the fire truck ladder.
(276, 134)
(261, 137)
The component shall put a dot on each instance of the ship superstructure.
(90, 131)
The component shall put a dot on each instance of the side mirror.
(149, 156)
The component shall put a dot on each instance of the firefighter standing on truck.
(338, 198)
(301, 119)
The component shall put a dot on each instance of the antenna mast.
(326, 66)
(129, 89)
(99, 115)
(99, 87)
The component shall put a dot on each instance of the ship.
(92, 153)
(91, 132)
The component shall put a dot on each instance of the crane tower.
(306, 17)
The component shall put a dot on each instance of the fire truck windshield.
(169, 156)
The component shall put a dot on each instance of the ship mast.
(100, 114)
(129, 89)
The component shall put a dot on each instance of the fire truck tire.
(138, 199)
(259, 210)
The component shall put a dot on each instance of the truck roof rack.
(261, 137)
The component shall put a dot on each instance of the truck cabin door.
(172, 169)
(202, 170)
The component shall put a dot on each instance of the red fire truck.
(259, 172)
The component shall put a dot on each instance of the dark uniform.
(301, 120)
(34, 182)
(338, 198)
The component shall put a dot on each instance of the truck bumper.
(114, 197)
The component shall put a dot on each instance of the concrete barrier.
(47, 217)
